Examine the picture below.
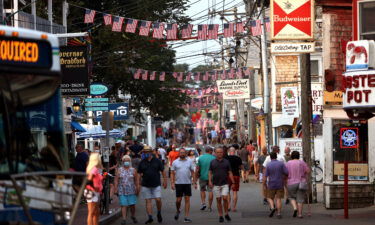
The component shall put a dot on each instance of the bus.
(35, 184)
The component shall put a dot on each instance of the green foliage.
(181, 67)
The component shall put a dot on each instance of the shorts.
(203, 185)
(236, 185)
(295, 193)
(278, 193)
(245, 166)
(183, 190)
(91, 196)
(127, 200)
(221, 191)
(151, 192)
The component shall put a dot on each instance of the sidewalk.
(114, 208)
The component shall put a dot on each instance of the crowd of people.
(140, 170)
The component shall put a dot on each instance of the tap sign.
(25, 53)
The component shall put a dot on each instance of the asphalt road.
(251, 210)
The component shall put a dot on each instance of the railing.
(26, 20)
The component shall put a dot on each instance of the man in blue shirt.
(276, 172)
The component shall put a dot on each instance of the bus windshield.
(31, 137)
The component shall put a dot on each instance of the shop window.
(350, 142)
(366, 20)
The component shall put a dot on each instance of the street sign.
(120, 110)
(96, 109)
(91, 104)
(292, 19)
(307, 47)
(98, 89)
(96, 99)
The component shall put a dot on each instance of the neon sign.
(349, 137)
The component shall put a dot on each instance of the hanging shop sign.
(295, 144)
(349, 137)
(98, 89)
(289, 102)
(120, 111)
(75, 78)
(332, 98)
(280, 48)
(292, 19)
(359, 90)
(360, 55)
(234, 89)
(317, 98)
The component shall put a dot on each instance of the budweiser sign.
(292, 19)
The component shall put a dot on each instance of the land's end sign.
(292, 19)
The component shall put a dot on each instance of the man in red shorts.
(236, 166)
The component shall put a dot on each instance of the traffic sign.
(96, 108)
(96, 99)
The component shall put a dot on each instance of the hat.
(147, 148)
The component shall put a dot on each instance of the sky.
(198, 11)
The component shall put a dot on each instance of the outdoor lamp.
(76, 107)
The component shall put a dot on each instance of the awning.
(77, 127)
(282, 121)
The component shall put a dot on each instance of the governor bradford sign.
(234, 89)
(292, 19)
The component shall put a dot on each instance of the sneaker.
(203, 207)
(150, 220)
(176, 215)
(160, 219)
(227, 217)
(187, 220)
(221, 219)
(295, 213)
(210, 209)
(279, 217)
(272, 212)
(123, 222)
(287, 201)
(265, 202)
(134, 219)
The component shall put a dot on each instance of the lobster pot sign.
(359, 89)
(360, 55)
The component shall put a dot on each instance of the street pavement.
(251, 210)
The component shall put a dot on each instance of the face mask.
(182, 156)
(126, 164)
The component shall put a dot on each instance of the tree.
(113, 53)
(181, 67)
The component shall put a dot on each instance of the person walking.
(298, 172)
(149, 171)
(275, 172)
(162, 154)
(261, 160)
(202, 169)
(219, 173)
(172, 156)
(245, 158)
(80, 163)
(236, 167)
(93, 188)
(254, 158)
(192, 158)
(127, 186)
(287, 157)
(181, 176)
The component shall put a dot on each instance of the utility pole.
(33, 12)
(50, 15)
(15, 13)
(306, 110)
(1, 11)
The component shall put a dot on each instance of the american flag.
(202, 32)
(268, 24)
(197, 76)
(212, 31)
(107, 19)
(137, 74)
(240, 27)
(186, 31)
(117, 23)
(256, 27)
(180, 76)
(231, 73)
(239, 73)
(158, 30)
(131, 25)
(224, 75)
(89, 16)
(145, 75)
(175, 75)
(171, 31)
(162, 76)
(144, 29)
(205, 77)
(187, 78)
(229, 30)
(153, 75)
(214, 77)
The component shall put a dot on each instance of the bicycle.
(318, 171)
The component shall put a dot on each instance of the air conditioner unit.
(360, 55)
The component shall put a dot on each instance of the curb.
(110, 218)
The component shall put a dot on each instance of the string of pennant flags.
(141, 74)
(171, 31)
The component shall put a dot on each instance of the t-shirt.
(112, 162)
(268, 160)
(159, 131)
(287, 158)
(204, 165)
(183, 169)
(255, 155)
(173, 155)
(150, 171)
(227, 133)
(136, 148)
(261, 160)
(80, 161)
(276, 171)
(220, 169)
(97, 179)
(162, 153)
(297, 170)
(244, 155)
(235, 164)
(213, 134)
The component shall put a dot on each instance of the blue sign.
(120, 111)
(349, 137)
(98, 89)
(96, 99)
(91, 104)
(96, 108)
